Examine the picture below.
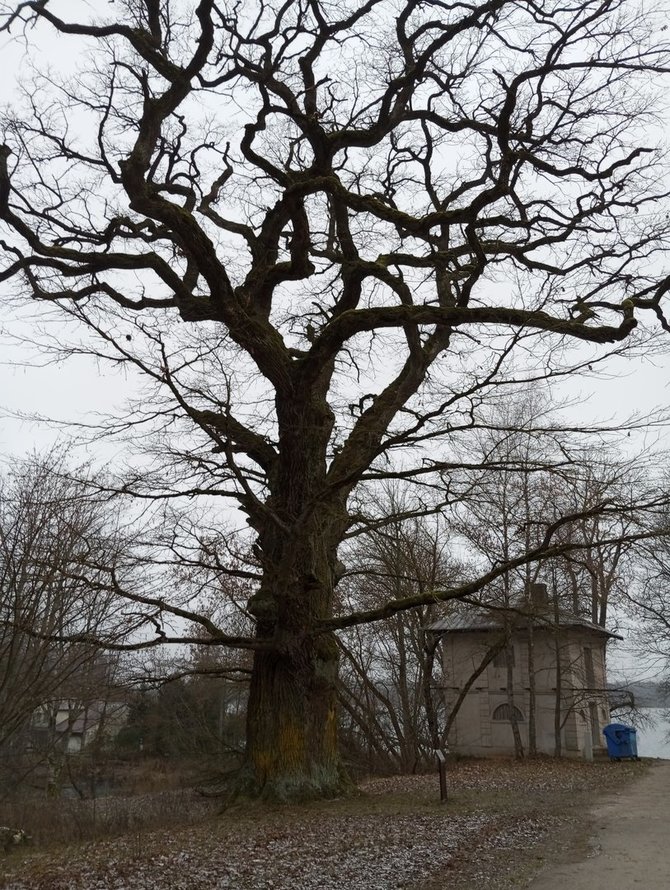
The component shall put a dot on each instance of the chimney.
(537, 595)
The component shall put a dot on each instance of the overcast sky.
(73, 391)
(79, 389)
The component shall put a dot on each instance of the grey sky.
(79, 388)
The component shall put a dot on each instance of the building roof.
(484, 620)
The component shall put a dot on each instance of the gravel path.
(630, 846)
(499, 819)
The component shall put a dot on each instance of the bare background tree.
(392, 716)
(534, 472)
(648, 605)
(323, 235)
(51, 527)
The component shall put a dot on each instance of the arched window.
(504, 712)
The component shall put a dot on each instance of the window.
(500, 658)
(589, 675)
(504, 712)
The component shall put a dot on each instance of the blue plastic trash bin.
(621, 741)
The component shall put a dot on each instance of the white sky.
(77, 389)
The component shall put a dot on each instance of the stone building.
(556, 662)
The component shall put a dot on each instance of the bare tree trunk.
(574, 588)
(430, 651)
(292, 724)
(595, 612)
(518, 744)
(291, 750)
(532, 731)
(558, 746)
(467, 686)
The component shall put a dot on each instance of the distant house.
(556, 664)
(73, 726)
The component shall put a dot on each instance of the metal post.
(442, 770)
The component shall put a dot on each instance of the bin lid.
(613, 728)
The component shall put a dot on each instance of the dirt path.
(631, 844)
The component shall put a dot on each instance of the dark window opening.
(504, 712)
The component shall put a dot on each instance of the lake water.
(653, 740)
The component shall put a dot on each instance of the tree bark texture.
(292, 724)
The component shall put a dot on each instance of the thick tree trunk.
(291, 750)
(292, 724)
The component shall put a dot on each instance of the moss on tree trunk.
(292, 751)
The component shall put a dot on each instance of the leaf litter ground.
(502, 823)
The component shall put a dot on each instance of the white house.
(556, 663)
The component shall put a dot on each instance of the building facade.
(501, 668)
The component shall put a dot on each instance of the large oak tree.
(323, 231)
